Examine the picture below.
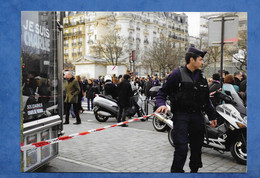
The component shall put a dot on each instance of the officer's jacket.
(187, 91)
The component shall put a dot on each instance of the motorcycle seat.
(108, 97)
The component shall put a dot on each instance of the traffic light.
(131, 57)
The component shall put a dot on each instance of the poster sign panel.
(230, 30)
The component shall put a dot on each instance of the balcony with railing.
(69, 24)
(80, 43)
(131, 38)
(90, 42)
(74, 44)
(146, 41)
(74, 54)
(67, 34)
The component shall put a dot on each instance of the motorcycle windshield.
(239, 102)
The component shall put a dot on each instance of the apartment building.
(82, 30)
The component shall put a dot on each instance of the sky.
(194, 23)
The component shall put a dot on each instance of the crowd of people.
(238, 80)
(108, 85)
(113, 86)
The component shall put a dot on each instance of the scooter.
(106, 107)
(230, 135)
(159, 125)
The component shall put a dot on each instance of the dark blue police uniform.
(189, 96)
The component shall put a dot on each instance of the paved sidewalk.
(129, 149)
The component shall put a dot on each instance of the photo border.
(10, 62)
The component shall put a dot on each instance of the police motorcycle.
(231, 132)
(159, 125)
(106, 107)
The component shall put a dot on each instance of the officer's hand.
(161, 109)
(213, 123)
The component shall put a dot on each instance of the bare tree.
(239, 53)
(163, 55)
(110, 47)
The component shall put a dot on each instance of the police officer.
(188, 92)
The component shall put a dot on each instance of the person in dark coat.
(92, 89)
(156, 81)
(188, 92)
(214, 86)
(81, 94)
(238, 76)
(147, 87)
(243, 91)
(110, 88)
(124, 94)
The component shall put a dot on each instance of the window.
(81, 19)
(39, 74)
(80, 29)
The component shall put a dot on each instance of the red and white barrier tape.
(63, 138)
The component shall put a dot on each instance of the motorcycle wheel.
(100, 118)
(159, 125)
(239, 151)
(170, 137)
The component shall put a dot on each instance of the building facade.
(229, 63)
(82, 30)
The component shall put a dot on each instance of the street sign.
(230, 30)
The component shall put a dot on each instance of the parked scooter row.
(230, 134)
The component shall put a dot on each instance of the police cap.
(196, 51)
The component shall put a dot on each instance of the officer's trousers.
(188, 129)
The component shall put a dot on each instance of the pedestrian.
(92, 89)
(243, 91)
(230, 79)
(213, 87)
(215, 84)
(110, 88)
(156, 81)
(124, 94)
(188, 92)
(120, 78)
(238, 76)
(147, 87)
(81, 94)
(72, 90)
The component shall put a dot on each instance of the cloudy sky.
(194, 23)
